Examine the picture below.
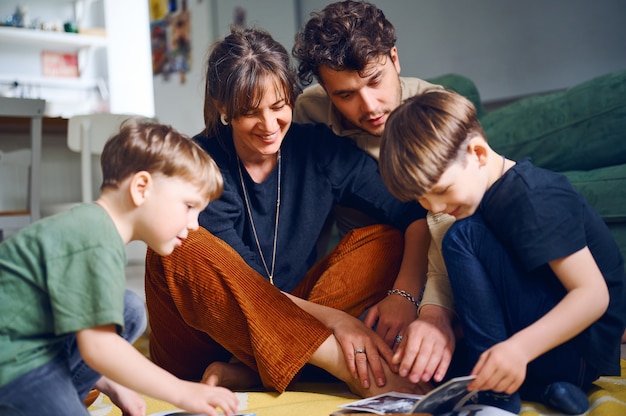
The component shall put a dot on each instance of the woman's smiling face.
(262, 129)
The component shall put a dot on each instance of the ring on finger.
(359, 351)
(398, 339)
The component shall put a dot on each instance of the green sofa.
(580, 132)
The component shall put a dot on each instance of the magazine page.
(392, 402)
(446, 397)
(478, 410)
(183, 413)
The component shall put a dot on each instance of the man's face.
(365, 102)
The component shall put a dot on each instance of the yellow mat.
(607, 399)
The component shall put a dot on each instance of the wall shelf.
(112, 49)
(19, 36)
(41, 81)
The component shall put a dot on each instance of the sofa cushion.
(461, 85)
(618, 230)
(605, 189)
(581, 128)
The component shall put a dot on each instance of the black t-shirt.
(318, 171)
(540, 217)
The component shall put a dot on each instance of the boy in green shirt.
(62, 282)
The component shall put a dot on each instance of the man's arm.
(429, 341)
(438, 290)
(392, 315)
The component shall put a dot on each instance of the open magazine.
(449, 398)
(183, 413)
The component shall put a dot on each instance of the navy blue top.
(319, 171)
(540, 217)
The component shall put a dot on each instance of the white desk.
(33, 109)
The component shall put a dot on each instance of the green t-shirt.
(57, 276)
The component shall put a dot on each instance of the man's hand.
(391, 316)
(427, 345)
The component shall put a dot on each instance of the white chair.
(14, 190)
(32, 109)
(87, 134)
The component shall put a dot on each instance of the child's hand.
(201, 398)
(502, 368)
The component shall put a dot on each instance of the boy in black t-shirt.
(538, 280)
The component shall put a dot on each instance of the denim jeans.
(59, 386)
(495, 298)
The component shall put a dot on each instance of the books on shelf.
(59, 64)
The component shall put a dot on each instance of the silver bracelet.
(404, 294)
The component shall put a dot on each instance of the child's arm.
(503, 367)
(113, 357)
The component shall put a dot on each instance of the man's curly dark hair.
(346, 35)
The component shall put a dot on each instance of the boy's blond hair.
(142, 145)
(422, 138)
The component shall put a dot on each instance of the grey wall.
(181, 104)
(508, 47)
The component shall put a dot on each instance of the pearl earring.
(223, 119)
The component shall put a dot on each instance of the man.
(349, 48)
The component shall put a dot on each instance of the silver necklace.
(256, 237)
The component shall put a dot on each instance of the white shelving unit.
(115, 69)
(69, 91)
(21, 36)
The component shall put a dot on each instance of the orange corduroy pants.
(206, 304)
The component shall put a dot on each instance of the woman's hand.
(362, 348)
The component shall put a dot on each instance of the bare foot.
(329, 356)
(235, 376)
(129, 402)
(394, 383)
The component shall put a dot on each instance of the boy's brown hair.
(142, 145)
(422, 138)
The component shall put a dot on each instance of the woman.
(244, 298)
